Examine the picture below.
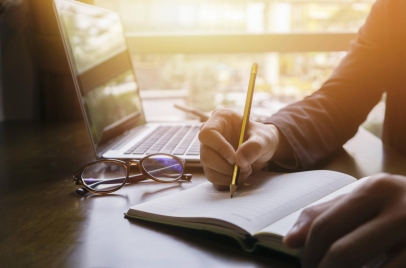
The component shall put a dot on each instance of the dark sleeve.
(321, 123)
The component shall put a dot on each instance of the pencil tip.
(233, 188)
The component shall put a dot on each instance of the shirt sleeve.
(320, 124)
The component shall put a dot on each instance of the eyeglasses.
(109, 175)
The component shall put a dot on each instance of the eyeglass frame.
(78, 180)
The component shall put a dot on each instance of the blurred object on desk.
(193, 111)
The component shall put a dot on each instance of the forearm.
(320, 124)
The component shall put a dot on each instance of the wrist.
(283, 150)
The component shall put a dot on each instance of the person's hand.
(356, 228)
(218, 151)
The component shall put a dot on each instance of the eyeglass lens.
(163, 167)
(104, 176)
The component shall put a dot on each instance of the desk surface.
(44, 223)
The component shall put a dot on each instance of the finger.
(212, 135)
(220, 179)
(213, 160)
(297, 235)
(250, 151)
(244, 175)
(259, 147)
(217, 170)
(368, 241)
(339, 220)
(221, 187)
(201, 126)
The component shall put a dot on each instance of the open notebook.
(260, 213)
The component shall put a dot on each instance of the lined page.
(283, 226)
(268, 198)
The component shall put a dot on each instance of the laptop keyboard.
(177, 140)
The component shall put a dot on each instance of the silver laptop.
(108, 91)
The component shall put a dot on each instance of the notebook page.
(283, 226)
(268, 198)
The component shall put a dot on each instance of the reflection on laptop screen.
(96, 45)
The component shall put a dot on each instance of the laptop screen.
(102, 69)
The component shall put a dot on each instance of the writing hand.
(354, 229)
(218, 150)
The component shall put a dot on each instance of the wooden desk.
(45, 224)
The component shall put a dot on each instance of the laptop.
(108, 91)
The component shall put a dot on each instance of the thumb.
(296, 237)
(255, 149)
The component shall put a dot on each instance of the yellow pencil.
(245, 120)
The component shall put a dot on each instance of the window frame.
(239, 43)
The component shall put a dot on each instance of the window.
(199, 53)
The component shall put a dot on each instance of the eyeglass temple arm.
(83, 190)
(137, 177)
(140, 177)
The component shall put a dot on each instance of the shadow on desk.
(216, 244)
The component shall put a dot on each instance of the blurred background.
(190, 52)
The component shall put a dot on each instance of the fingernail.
(230, 160)
(243, 162)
